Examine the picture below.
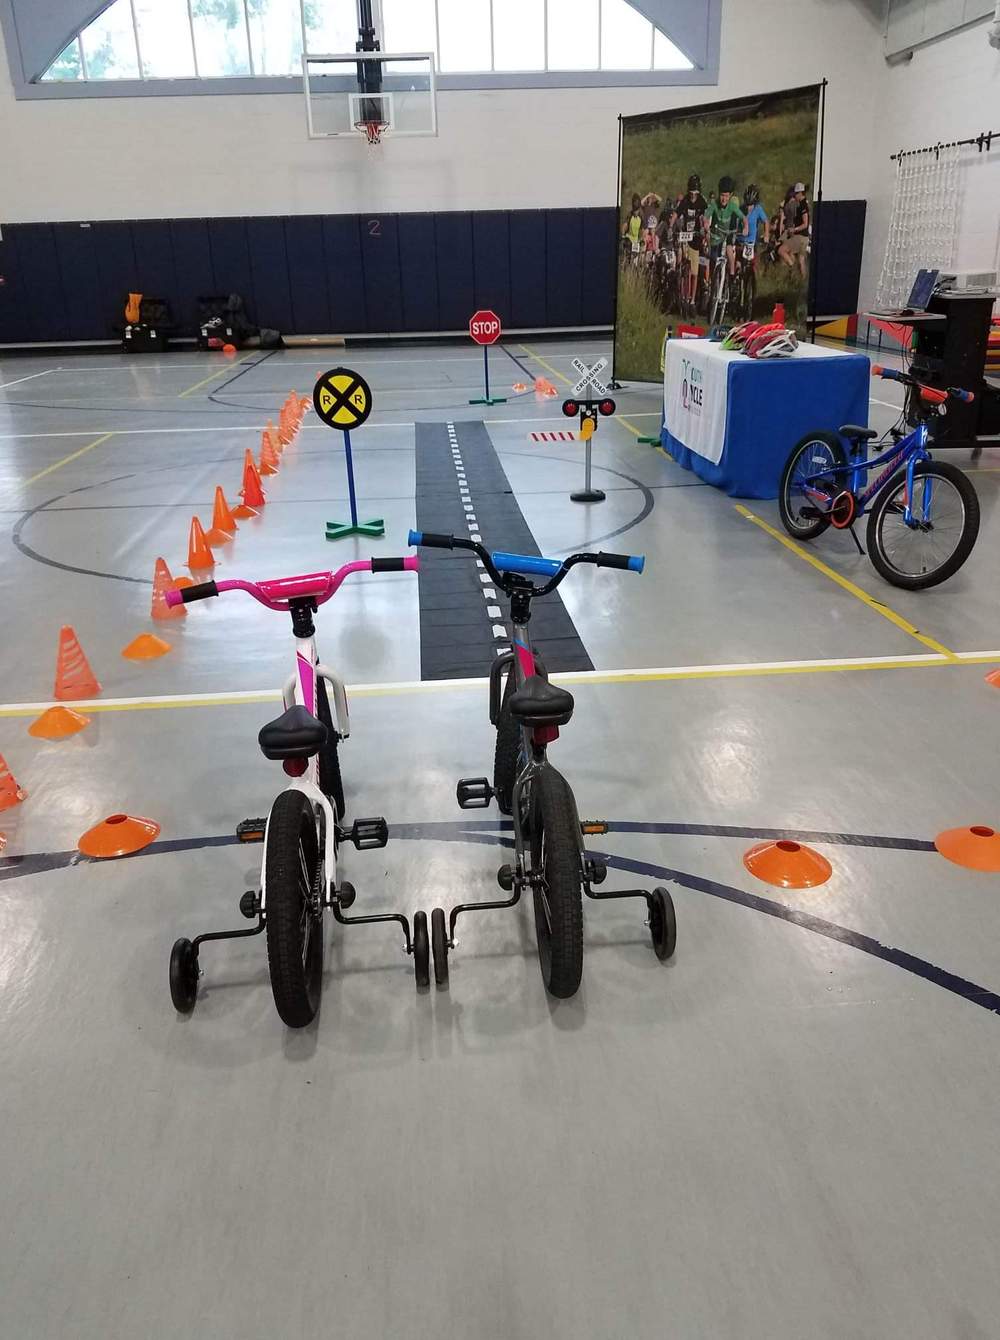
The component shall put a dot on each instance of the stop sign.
(484, 327)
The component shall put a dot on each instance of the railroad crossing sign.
(484, 327)
(589, 377)
(342, 398)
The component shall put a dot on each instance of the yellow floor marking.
(221, 373)
(845, 584)
(583, 678)
(66, 460)
(546, 365)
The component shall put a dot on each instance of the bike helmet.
(738, 336)
(751, 195)
(726, 186)
(694, 182)
(773, 344)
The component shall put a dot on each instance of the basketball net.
(372, 130)
(923, 228)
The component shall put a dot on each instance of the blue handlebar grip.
(526, 564)
(637, 563)
(415, 537)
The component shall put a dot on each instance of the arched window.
(213, 39)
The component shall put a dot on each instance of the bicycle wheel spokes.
(929, 539)
(813, 484)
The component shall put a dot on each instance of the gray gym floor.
(788, 1131)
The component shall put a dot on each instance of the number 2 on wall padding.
(374, 227)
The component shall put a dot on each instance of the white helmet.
(772, 344)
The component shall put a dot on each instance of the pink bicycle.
(301, 835)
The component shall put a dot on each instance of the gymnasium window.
(211, 39)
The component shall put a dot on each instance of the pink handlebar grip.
(174, 598)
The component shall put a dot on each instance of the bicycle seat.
(856, 432)
(295, 734)
(539, 703)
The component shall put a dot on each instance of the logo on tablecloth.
(692, 388)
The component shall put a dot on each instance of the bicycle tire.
(507, 752)
(555, 854)
(294, 946)
(817, 526)
(331, 783)
(970, 527)
(719, 294)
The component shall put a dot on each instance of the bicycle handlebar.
(277, 593)
(526, 565)
(930, 393)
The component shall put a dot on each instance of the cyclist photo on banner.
(712, 233)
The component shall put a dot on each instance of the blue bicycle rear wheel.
(813, 476)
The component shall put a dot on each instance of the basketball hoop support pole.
(337, 531)
(487, 400)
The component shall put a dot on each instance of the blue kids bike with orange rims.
(923, 514)
(550, 860)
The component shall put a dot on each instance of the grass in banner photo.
(675, 245)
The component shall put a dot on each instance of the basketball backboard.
(369, 93)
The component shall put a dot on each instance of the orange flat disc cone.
(994, 678)
(244, 513)
(788, 865)
(118, 835)
(57, 723)
(181, 582)
(146, 647)
(977, 848)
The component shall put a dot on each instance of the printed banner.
(715, 220)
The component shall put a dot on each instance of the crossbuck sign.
(589, 377)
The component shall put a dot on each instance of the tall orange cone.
(223, 521)
(272, 435)
(285, 429)
(251, 492)
(268, 456)
(10, 793)
(74, 677)
(199, 554)
(162, 583)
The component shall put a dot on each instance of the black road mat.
(459, 638)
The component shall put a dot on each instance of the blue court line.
(484, 832)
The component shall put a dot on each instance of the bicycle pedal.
(251, 830)
(369, 834)
(473, 793)
(593, 827)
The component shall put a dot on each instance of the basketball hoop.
(372, 130)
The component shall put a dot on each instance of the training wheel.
(421, 950)
(439, 943)
(183, 976)
(662, 923)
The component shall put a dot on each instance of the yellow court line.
(221, 373)
(66, 460)
(846, 585)
(751, 670)
(546, 365)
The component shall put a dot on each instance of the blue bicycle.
(923, 515)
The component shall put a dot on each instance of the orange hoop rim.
(372, 130)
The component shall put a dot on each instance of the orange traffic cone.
(162, 583)
(544, 387)
(58, 723)
(10, 793)
(223, 521)
(268, 456)
(74, 677)
(286, 431)
(251, 492)
(146, 647)
(304, 403)
(199, 554)
(519, 388)
(271, 433)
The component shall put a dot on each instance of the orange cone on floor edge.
(118, 835)
(223, 521)
(268, 456)
(977, 848)
(58, 723)
(788, 865)
(544, 387)
(181, 583)
(199, 554)
(271, 433)
(74, 677)
(10, 793)
(994, 678)
(519, 388)
(146, 647)
(162, 583)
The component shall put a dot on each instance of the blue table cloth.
(733, 420)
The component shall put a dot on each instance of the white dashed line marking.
(493, 611)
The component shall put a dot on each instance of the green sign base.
(336, 531)
(648, 441)
(490, 400)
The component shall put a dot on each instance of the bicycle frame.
(912, 449)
